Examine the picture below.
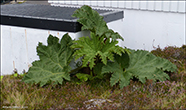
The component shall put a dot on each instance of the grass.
(93, 95)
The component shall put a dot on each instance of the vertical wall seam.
(154, 6)
(12, 48)
(118, 4)
(111, 3)
(177, 6)
(26, 48)
(124, 4)
(147, 5)
(169, 6)
(162, 3)
(104, 3)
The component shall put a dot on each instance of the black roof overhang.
(15, 18)
(68, 26)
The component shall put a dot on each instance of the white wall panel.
(115, 4)
(80, 2)
(135, 5)
(140, 30)
(166, 6)
(182, 7)
(107, 4)
(87, 2)
(143, 5)
(128, 4)
(101, 3)
(150, 5)
(159, 5)
(94, 3)
(68, 2)
(174, 6)
(62, 1)
(121, 4)
(19, 46)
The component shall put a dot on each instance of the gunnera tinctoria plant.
(99, 53)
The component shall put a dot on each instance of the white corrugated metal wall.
(145, 24)
(149, 5)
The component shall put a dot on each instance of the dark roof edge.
(40, 23)
(56, 25)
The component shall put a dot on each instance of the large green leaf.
(53, 64)
(91, 20)
(90, 48)
(117, 69)
(144, 65)
(140, 64)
